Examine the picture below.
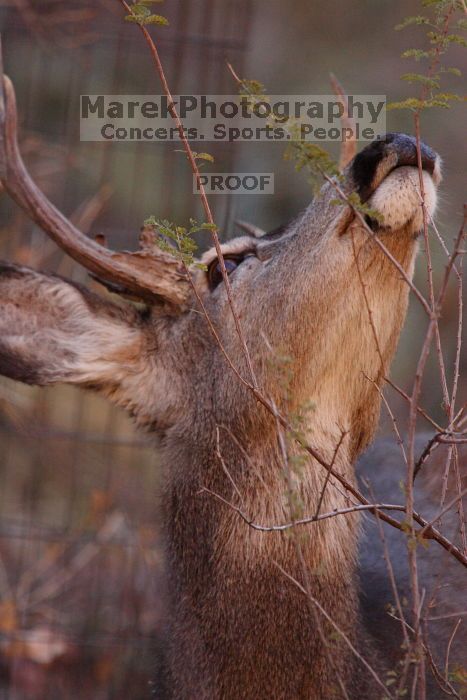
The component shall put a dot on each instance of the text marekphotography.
(115, 118)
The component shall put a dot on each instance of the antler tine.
(149, 275)
(250, 229)
(349, 146)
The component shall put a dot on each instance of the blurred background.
(80, 563)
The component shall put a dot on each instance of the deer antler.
(349, 146)
(149, 275)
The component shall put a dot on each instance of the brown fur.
(238, 628)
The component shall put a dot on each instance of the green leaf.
(458, 674)
(423, 541)
(422, 79)
(456, 39)
(417, 54)
(437, 103)
(410, 103)
(453, 71)
(444, 40)
(185, 246)
(157, 19)
(252, 87)
(142, 15)
(449, 96)
(408, 21)
(204, 156)
(406, 527)
(307, 156)
(150, 221)
(140, 10)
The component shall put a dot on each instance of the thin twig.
(194, 167)
(421, 411)
(328, 475)
(392, 578)
(448, 648)
(224, 466)
(399, 439)
(339, 631)
(453, 502)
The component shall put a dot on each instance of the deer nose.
(381, 157)
(406, 149)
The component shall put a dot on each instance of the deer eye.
(214, 273)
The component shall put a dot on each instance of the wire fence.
(80, 550)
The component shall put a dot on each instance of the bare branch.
(340, 632)
(328, 475)
(194, 167)
(302, 521)
(429, 532)
(448, 649)
(421, 411)
(446, 508)
(443, 683)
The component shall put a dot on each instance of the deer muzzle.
(372, 165)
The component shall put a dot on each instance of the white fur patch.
(399, 200)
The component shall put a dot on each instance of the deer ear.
(52, 330)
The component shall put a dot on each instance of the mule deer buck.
(239, 626)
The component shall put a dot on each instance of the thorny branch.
(451, 435)
(431, 532)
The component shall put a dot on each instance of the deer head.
(328, 292)
(299, 291)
